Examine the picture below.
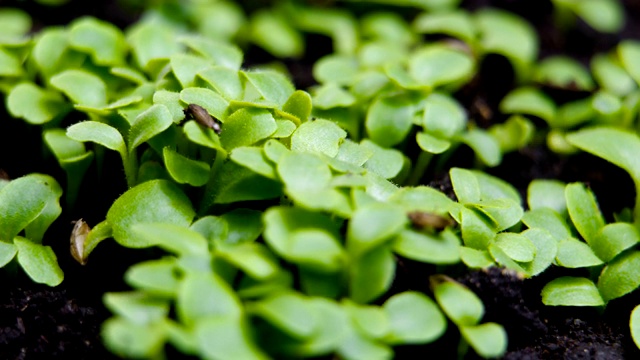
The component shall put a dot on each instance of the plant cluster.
(282, 212)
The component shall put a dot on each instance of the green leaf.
(331, 95)
(385, 162)
(371, 274)
(457, 23)
(422, 198)
(211, 101)
(10, 64)
(614, 145)
(629, 53)
(202, 136)
(620, 276)
(148, 124)
(331, 328)
(613, 239)
(14, 22)
(253, 158)
(477, 232)
(516, 246)
(414, 319)
(243, 226)
(432, 144)
(465, 185)
(39, 262)
(100, 133)
(227, 338)
(299, 105)
(273, 32)
(369, 320)
(223, 53)
(504, 33)
(304, 172)
(583, 210)
(184, 170)
(437, 65)
(440, 248)
(514, 134)
(573, 253)
(603, 15)
(634, 324)
(152, 41)
(611, 75)
(237, 183)
(547, 194)
(319, 136)
(102, 40)
(150, 202)
(336, 68)
(203, 295)
(173, 238)
(489, 340)
(563, 72)
(246, 127)
(355, 345)
(157, 277)
(443, 116)
(549, 220)
(304, 237)
(529, 101)
(271, 85)
(254, 259)
(290, 312)
(484, 145)
(546, 251)
(571, 291)
(136, 307)
(82, 87)
(476, 259)
(36, 105)
(21, 202)
(7, 252)
(126, 338)
(372, 225)
(186, 66)
(225, 81)
(460, 304)
(171, 100)
(389, 120)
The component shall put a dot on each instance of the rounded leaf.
(460, 304)
(613, 239)
(389, 120)
(372, 225)
(150, 202)
(82, 87)
(413, 319)
(35, 105)
(438, 65)
(39, 262)
(489, 340)
(620, 277)
(98, 132)
(184, 170)
(571, 291)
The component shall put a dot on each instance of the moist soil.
(39, 322)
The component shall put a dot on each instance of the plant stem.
(420, 167)
(130, 162)
(210, 190)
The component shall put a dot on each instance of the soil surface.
(38, 322)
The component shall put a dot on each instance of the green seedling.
(602, 15)
(465, 310)
(28, 206)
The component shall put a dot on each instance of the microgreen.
(28, 206)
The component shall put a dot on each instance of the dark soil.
(38, 322)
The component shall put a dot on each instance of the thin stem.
(210, 190)
(130, 162)
(420, 167)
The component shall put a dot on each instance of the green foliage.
(294, 211)
(29, 205)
